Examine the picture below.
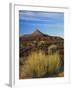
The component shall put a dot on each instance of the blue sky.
(51, 23)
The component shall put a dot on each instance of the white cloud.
(32, 15)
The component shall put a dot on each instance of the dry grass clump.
(54, 63)
(38, 64)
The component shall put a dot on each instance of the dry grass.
(54, 63)
(38, 64)
(35, 66)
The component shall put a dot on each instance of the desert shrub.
(52, 49)
(54, 63)
(21, 61)
(38, 64)
(35, 42)
(54, 60)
